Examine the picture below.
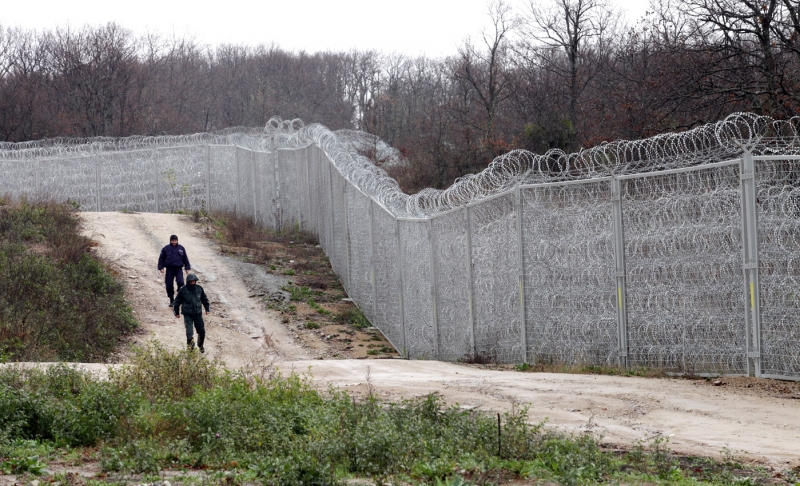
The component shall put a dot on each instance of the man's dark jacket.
(173, 256)
(192, 298)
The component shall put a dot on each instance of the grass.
(591, 370)
(354, 317)
(57, 302)
(175, 411)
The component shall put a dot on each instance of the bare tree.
(749, 60)
(580, 29)
(482, 71)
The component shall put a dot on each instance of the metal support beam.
(468, 210)
(750, 263)
(372, 258)
(400, 267)
(518, 207)
(434, 293)
(620, 272)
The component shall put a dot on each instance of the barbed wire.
(355, 153)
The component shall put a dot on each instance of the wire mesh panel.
(73, 179)
(293, 192)
(324, 204)
(181, 177)
(683, 253)
(570, 290)
(388, 309)
(245, 178)
(124, 182)
(358, 221)
(266, 189)
(778, 203)
(452, 285)
(415, 253)
(224, 193)
(340, 252)
(495, 277)
(20, 178)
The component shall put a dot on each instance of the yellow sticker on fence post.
(752, 295)
(619, 297)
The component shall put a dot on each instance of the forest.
(561, 74)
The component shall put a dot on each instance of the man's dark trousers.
(173, 273)
(196, 320)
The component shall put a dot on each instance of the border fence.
(679, 252)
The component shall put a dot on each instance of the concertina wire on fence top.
(679, 251)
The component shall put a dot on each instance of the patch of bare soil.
(291, 275)
(755, 386)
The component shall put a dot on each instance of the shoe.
(171, 302)
(190, 345)
(202, 350)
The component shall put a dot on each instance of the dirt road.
(696, 418)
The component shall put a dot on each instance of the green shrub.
(57, 302)
(63, 405)
(354, 317)
(163, 374)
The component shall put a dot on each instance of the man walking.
(191, 300)
(173, 259)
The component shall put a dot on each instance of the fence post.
(468, 209)
(402, 288)
(522, 315)
(434, 293)
(619, 263)
(750, 263)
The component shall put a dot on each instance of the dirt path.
(696, 418)
(237, 330)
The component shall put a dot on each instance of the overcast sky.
(414, 27)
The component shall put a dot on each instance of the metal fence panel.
(22, 178)
(778, 204)
(452, 285)
(181, 172)
(415, 253)
(357, 212)
(388, 280)
(570, 291)
(340, 253)
(325, 206)
(495, 274)
(245, 183)
(266, 189)
(683, 252)
(292, 190)
(223, 180)
(71, 179)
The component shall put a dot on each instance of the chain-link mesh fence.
(678, 252)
